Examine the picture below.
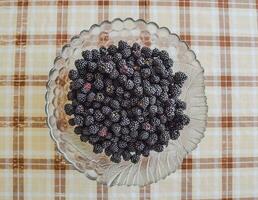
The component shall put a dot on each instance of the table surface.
(223, 34)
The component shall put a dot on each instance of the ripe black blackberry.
(129, 85)
(114, 116)
(168, 63)
(136, 54)
(139, 146)
(146, 152)
(126, 155)
(116, 128)
(145, 72)
(125, 131)
(77, 84)
(164, 137)
(163, 55)
(80, 65)
(153, 138)
(114, 147)
(114, 104)
(71, 122)
(135, 158)
(93, 139)
(112, 49)
(153, 109)
(155, 52)
(126, 52)
(174, 134)
(180, 104)
(73, 74)
(78, 130)
(95, 55)
(79, 110)
(138, 91)
(136, 46)
(89, 77)
(89, 120)
(98, 116)
(117, 57)
(126, 138)
(87, 55)
(114, 74)
(106, 110)
(180, 78)
(140, 61)
(158, 147)
(78, 120)
(98, 84)
(81, 97)
(116, 158)
(84, 138)
(106, 144)
(103, 51)
(125, 121)
(134, 133)
(93, 129)
(163, 119)
(122, 144)
(127, 95)
(146, 51)
(97, 148)
(144, 135)
(108, 152)
(69, 110)
(122, 45)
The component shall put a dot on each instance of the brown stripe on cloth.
(202, 40)
(144, 13)
(18, 103)
(226, 100)
(184, 20)
(103, 14)
(61, 39)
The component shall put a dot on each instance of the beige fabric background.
(224, 36)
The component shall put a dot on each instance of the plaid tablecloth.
(224, 35)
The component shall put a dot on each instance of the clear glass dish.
(97, 166)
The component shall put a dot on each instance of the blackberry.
(89, 120)
(152, 100)
(73, 74)
(127, 95)
(146, 72)
(163, 55)
(119, 91)
(168, 63)
(124, 131)
(79, 110)
(81, 97)
(122, 79)
(68, 109)
(106, 144)
(80, 65)
(91, 96)
(98, 116)
(146, 152)
(97, 148)
(144, 102)
(158, 90)
(110, 90)
(139, 146)
(122, 144)
(114, 104)
(103, 51)
(136, 111)
(180, 104)
(158, 147)
(117, 57)
(87, 55)
(153, 109)
(126, 138)
(136, 54)
(155, 121)
(170, 102)
(180, 78)
(86, 88)
(146, 51)
(85, 131)
(98, 84)
(140, 119)
(78, 120)
(154, 79)
(134, 134)
(125, 104)
(106, 100)
(107, 58)
(93, 129)
(140, 61)
(116, 128)
(136, 46)
(116, 158)
(78, 130)
(112, 49)
(130, 63)
(146, 126)
(106, 110)
(153, 138)
(77, 84)
(125, 121)
(126, 52)
(93, 139)
(163, 97)
(126, 155)
(164, 137)
(131, 147)
(84, 138)
(108, 152)
(92, 66)
(70, 95)
(174, 91)
(135, 158)
(138, 91)
(174, 135)
(134, 125)
(144, 135)
(90, 111)
(129, 85)
(106, 67)
(114, 74)
(96, 105)
(114, 116)
(71, 122)
(89, 77)
(163, 119)
(184, 119)
(107, 123)
(122, 45)
(157, 62)
(137, 80)
(114, 147)
(155, 52)
(95, 55)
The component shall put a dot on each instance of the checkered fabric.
(224, 35)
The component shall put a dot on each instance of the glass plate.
(97, 166)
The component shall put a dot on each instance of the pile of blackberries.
(124, 100)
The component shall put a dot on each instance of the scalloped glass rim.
(158, 166)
